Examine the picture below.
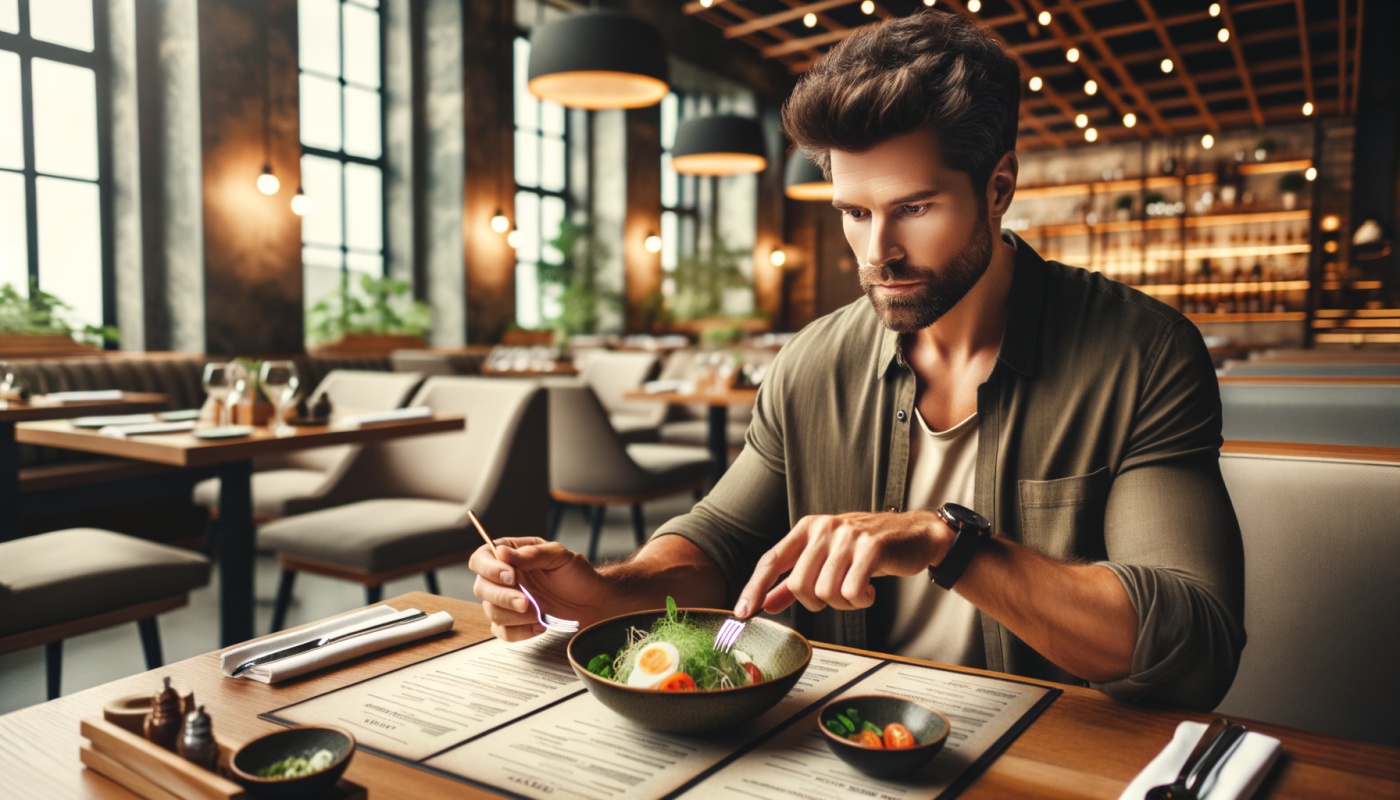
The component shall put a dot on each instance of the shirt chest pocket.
(1063, 518)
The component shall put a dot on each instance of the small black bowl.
(267, 750)
(929, 727)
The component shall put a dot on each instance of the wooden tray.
(153, 772)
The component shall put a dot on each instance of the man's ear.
(1001, 186)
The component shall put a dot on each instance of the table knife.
(331, 638)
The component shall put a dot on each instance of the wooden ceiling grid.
(1278, 55)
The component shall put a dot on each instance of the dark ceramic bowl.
(929, 727)
(265, 751)
(779, 651)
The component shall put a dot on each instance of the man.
(1079, 417)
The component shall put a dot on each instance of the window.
(541, 195)
(680, 194)
(53, 220)
(342, 162)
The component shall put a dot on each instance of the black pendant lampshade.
(803, 180)
(720, 145)
(598, 60)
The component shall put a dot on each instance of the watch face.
(965, 517)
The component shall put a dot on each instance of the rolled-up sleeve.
(1172, 538)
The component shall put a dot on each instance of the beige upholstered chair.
(303, 481)
(402, 508)
(590, 464)
(614, 373)
(1321, 606)
(70, 582)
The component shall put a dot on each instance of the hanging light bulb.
(1223, 35)
(1215, 9)
(1044, 18)
(1081, 120)
(267, 182)
(1129, 119)
(499, 222)
(1072, 55)
(867, 7)
(1036, 83)
(1167, 65)
(652, 243)
(1307, 109)
(1091, 135)
(1207, 141)
(1091, 87)
(810, 20)
(301, 204)
(778, 257)
(1311, 174)
(513, 238)
(974, 6)
(930, 3)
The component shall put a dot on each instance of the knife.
(330, 638)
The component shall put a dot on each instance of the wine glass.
(280, 383)
(218, 383)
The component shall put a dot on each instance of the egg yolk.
(653, 660)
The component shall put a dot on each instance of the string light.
(1215, 9)
(652, 243)
(1036, 83)
(1044, 18)
(1072, 55)
(930, 3)
(513, 238)
(1129, 119)
(1307, 109)
(868, 7)
(1331, 222)
(1081, 120)
(777, 258)
(1091, 87)
(1223, 35)
(301, 204)
(810, 20)
(1311, 174)
(267, 182)
(1091, 135)
(974, 5)
(706, 3)
(1166, 65)
(499, 223)
(1207, 141)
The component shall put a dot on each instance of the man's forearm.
(1076, 615)
(667, 566)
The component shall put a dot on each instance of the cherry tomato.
(678, 682)
(867, 739)
(755, 674)
(898, 737)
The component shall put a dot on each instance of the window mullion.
(31, 189)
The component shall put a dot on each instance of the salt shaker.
(197, 743)
(163, 723)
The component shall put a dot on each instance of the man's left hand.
(829, 560)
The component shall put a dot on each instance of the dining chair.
(61, 584)
(689, 424)
(612, 374)
(401, 509)
(304, 480)
(591, 465)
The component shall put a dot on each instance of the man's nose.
(882, 248)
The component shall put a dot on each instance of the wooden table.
(717, 424)
(233, 459)
(1085, 745)
(12, 412)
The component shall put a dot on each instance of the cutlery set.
(1216, 745)
(330, 638)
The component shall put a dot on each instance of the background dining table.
(233, 459)
(717, 405)
(15, 411)
(1085, 745)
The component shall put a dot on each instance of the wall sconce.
(301, 204)
(778, 257)
(652, 243)
(499, 222)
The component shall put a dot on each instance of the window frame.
(564, 193)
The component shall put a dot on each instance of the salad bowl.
(781, 653)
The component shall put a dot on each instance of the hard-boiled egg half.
(655, 662)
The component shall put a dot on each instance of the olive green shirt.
(1100, 442)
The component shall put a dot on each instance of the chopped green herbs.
(297, 766)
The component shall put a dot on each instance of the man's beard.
(941, 288)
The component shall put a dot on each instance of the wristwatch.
(971, 529)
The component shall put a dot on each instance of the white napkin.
(331, 654)
(668, 385)
(360, 420)
(1234, 779)
(60, 398)
(123, 431)
(114, 419)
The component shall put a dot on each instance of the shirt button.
(901, 416)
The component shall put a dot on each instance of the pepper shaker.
(163, 723)
(197, 743)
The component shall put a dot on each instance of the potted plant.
(36, 325)
(376, 320)
(1123, 207)
(584, 296)
(702, 279)
(1290, 184)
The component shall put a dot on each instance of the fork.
(728, 634)
(551, 622)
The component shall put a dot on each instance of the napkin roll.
(412, 412)
(123, 431)
(331, 654)
(1236, 778)
(59, 398)
(664, 385)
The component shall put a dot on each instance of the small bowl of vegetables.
(883, 735)
(297, 762)
(660, 670)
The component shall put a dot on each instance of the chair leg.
(639, 528)
(284, 599)
(150, 642)
(373, 594)
(431, 577)
(53, 667)
(596, 530)
(556, 516)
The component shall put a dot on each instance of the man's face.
(919, 229)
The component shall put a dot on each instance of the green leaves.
(44, 314)
(381, 305)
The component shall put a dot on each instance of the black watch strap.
(970, 528)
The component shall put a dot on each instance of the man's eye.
(912, 208)
(856, 213)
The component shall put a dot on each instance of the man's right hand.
(562, 581)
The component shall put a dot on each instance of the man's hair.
(933, 70)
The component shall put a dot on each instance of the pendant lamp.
(720, 145)
(598, 60)
(803, 180)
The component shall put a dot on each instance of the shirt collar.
(1025, 306)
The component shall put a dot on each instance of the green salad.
(675, 656)
(297, 766)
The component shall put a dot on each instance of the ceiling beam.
(1238, 53)
(1303, 48)
(1342, 49)
(773, 20)
(1183, 75)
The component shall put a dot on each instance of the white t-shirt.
(930, 622)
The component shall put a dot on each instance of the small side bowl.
(930, 729)
(267, 750)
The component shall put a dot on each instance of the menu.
(515, 719)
